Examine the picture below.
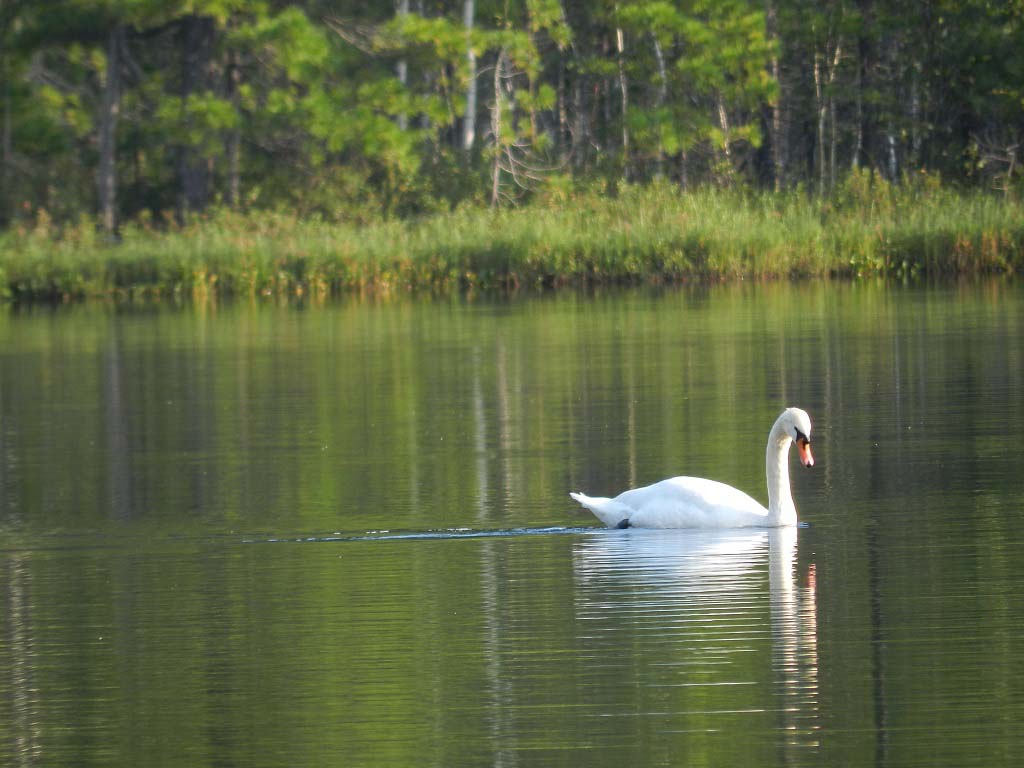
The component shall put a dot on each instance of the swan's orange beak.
(803, 450)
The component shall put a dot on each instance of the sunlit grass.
(654, 234)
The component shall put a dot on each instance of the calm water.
(246, 535)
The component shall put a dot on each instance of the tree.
(353, 109)
(109, 111)
(469, 119)
(706, 80)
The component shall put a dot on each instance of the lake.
(253, 534)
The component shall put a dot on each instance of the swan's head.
(796, 425)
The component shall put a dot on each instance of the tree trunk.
(620, 46)
(833, 142)
(564, 126)
(662, 98)
(234, 137)
(890, 141)
(858, 136)
(8, 147)
(469, 119)
(893, 56)
(563, 109)
(580, 126)
(819, 100)
(496, 131)
(723, 120)
(110, 107)
(402, 67)
(866, 108)
(915, 116)
(779, 137)
(833, 120)
(197, 37)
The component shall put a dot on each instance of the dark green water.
(263, 536)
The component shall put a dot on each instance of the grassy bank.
(650, 234)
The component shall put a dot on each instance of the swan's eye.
(801, 437)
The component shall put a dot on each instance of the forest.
(158, 113)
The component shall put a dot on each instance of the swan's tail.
(608, 511)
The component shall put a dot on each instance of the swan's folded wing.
(692, 502)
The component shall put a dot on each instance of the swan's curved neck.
(781, 510)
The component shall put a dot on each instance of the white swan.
(693, 502)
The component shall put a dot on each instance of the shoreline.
(650, 235)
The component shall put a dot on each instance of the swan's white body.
(693, 502)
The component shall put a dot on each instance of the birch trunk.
(496, 132)
(620, 45)
(858, 138)
(469, 119)
(723, 120)
(402, 66)
(837, 57)
(660, 103)
(890, 141)
(892, 61)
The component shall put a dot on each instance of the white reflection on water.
(794, 617)
(22, 700)
(698, 605)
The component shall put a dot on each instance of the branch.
(39, 74)
(360, 36)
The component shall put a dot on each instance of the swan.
(693, 502)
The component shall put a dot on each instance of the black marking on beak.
(803, 445)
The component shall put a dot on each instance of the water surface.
(259, 535)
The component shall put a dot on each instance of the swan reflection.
(722, 611)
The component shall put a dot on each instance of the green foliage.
(713, 61)
(292, 42)
(199, 121)
(275, 106)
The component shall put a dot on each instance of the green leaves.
(276, 102)
(198, 121)
(710, 59)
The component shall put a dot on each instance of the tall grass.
(654, 233)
